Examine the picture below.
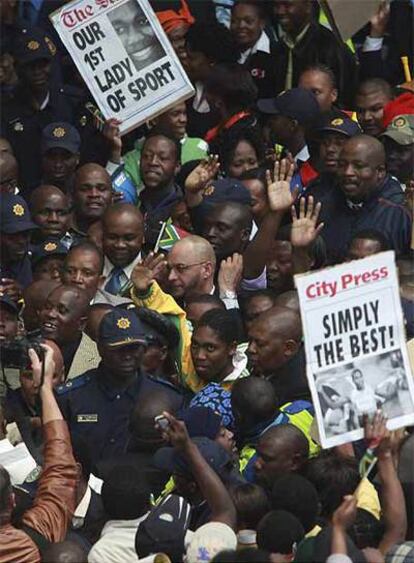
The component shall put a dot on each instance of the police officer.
(97, 405)
(60, 148)
(37, 101)
(16, 226)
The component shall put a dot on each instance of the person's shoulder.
(76, 383)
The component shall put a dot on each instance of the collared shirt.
(262, 44)
(108, 268)
(100, 413)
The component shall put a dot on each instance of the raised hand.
(345, 514)
(202, 174)
(379, 20)
(176, 432)
(49, 366)
(146, 271)
(278, 189)
(376, 433)
(304, 229)
(230, 273)
(112, 135)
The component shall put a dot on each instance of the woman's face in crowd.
(246, 25)
(212, 356)
(50, 268)
(177, 40)
(244, 159)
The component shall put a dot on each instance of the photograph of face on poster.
(136, 34)
(360, 388)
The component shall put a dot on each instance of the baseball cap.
(50, 247)
(338, 122)
(297, 103)
(32, 45)
(208, 540)
(201, 421)
(401, 553)
(401, 130)
(164, 529)
(15, 215)
(60, 135)
(121, 327)
(171, 461)
(7, 302)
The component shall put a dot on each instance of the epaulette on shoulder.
(72, 384)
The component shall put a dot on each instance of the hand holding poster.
(355, 347)
(124, 57)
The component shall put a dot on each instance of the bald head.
(253, 401)
(49, 207)
(282, 322)
(375, 85)
(34, 296)
(371, 98)
(8, 172)
(45, 193)
(192, 263)
(68, 551)
(288, 437)
(63, 315)
(92, 194)
(361, 167)
(5, 146)
(122, 233)
(289, 300)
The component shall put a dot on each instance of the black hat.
(33, 45)
(15, 215)
(338, 122)
(121, 327)
(171, 461)
(8, 302)
(201, 421)
(50, 247)
(164, 529)
(297, 103)
(61, 135)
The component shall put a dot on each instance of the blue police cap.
(298, 103)
(49, 247)
(9, 303)
(60, 135)
(121, 327)
(338, 122)
(225, 190)
(15, 215)
(32, 45)
(171, 461)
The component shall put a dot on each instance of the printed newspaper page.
(355, 346)
(124, 57)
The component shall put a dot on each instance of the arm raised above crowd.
(55, 499)
(304, 233)
(280, 200)
(212, 487)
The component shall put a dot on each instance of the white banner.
(124, 57)
(355, 347)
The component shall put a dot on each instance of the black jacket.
(383, 211)
(289, 381)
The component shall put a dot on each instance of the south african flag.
(169, 235)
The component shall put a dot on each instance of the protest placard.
(124, 57)
(355, 347)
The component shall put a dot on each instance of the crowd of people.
(152, 353)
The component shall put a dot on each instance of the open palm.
(278, 189)
(202, 174)
(304, 227)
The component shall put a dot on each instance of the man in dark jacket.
(303, 42)
(362, 196)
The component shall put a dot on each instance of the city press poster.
(124, 57)
(355, 345)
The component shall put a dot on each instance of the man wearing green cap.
(398, 140)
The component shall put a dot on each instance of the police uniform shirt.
(100, 413)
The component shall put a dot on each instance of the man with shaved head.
(275, 351)
(34, 296)
(122, 239)
(371, 97)
(62, 319)
(9, 173)
(92, 194)
(365, 197)
(191, 264)
(50, 211)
